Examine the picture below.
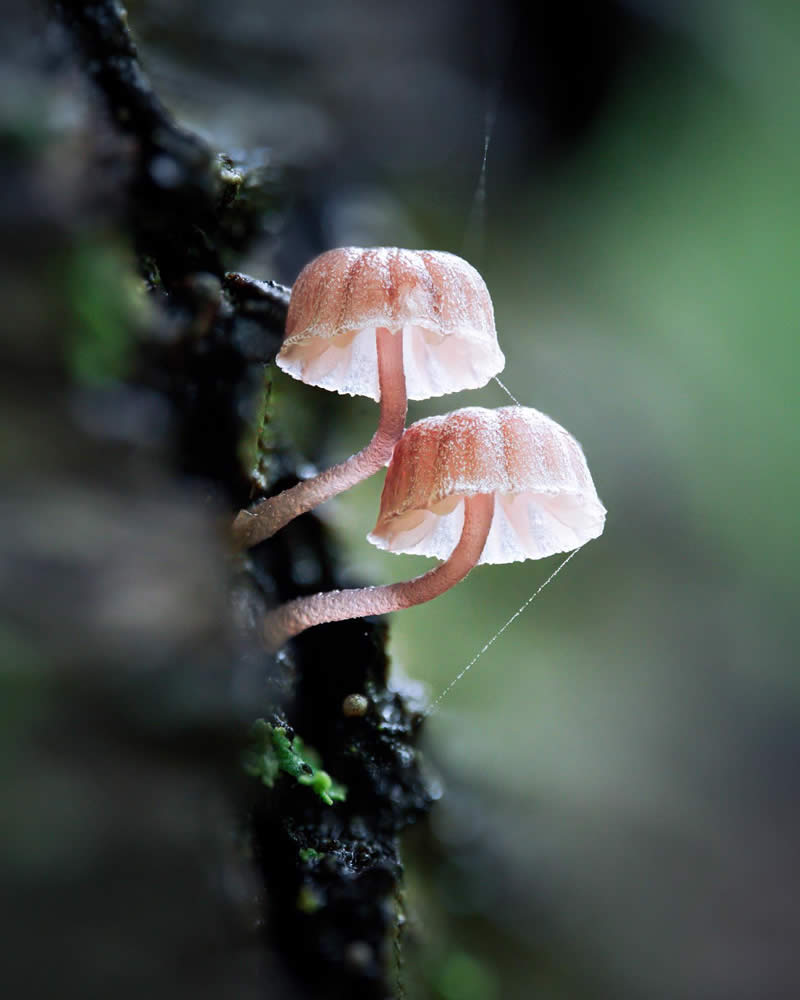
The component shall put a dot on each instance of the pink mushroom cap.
(545, 500)
(436, 301)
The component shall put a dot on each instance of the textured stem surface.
(296, 616)
(252, 526)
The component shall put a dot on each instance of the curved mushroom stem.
(296, 616)
(252, 526)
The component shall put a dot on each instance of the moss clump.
(307, 854)
(99, 325)
(258, 444)
(271, 751)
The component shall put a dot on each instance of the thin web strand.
(474, 241)
(523, 607)
(508, 392)
(475, 236)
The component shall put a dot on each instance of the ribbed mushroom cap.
(545, 500)
(436, 301)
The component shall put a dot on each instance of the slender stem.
(252, 526)
(296, 616)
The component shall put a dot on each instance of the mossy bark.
(145, 857)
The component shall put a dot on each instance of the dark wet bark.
(136, 448)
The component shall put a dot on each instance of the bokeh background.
(620, 815)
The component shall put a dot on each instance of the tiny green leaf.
(271, 751)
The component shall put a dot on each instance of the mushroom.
(386, 323)
(472, 486)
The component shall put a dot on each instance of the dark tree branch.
(191, 209)
(265, 301)
(330, 875)
(112, 61)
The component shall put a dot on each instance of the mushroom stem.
(252, 526)
(296, 616)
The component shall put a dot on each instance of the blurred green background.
(621, 810)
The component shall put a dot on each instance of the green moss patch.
(271, 751)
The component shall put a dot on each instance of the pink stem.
(296, 616)
(252, 526)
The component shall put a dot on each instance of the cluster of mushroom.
(472, 486)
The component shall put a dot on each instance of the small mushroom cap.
(436, 301)
(545, 500)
